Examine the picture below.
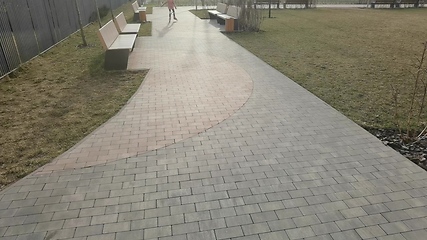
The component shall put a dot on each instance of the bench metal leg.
(116, 59)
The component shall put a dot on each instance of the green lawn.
(350, 58)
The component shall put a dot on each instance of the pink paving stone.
(179, 98)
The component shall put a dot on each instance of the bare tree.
(80, 24)
(97, 13)
(249, 18)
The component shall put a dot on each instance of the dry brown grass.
(56, 99)
(347, 57)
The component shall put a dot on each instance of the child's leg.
(173, 10)
(170, 13)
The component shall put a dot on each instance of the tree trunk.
(80, 24)
(97, 13)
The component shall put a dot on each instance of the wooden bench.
(391, 3)
(139, 13)
(296, 2)
(125, 28)
(230, 19)
(267, 3)
(221, 8)
(117, 47)
(416, 3)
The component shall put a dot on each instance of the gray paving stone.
(158, 212)
(95, 211)
(370, 232)
(259, 198)
(299, 233)
(19, 230)
(222, 213)
(334, 206)
(394, 227)
(187, 208)
(197, 216)
(66, 215)
(417, 212)
(415, 235)
(32, 236)
(77, 222)
(353, 212)
(289, 213)
(175, 237)
(216, 195)
(321, 237)
(118, 208)
(49, 226)
(157, 232)
(139, 205)
(88, 231)
(276, 235)
(325, 228)
(36, 218)
(297, 202)
(28, 211)
(203, 206)
(231, 202)
(306, 220)
(178, 229)
(116, 227)
(110, 236)
(238, 220)
(60, 234)
(312, 209)
(144, 223)
(346, 235)
(212, 224)
(396, 216)
(348, 224)
(264, 216)
(256, 228)
(208, 235)
(281, 224)
(375, 219)
(231, 232)
(110, 218)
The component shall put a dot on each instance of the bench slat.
(107, 34)
(232, 12)
(124, 27)
(125, 41)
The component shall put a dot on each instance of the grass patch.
(56, 99)
(347, 57)
(145, 29)
(201, 13)
(149, 9)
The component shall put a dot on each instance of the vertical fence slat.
(7, 42)
(41, 24)
(87, 8)
(22, 27)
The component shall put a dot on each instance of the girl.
(171, 7)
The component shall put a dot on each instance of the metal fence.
(29, 27)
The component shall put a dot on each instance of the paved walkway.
(216, 144)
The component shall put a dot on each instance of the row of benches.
(118, 39)
(139, 12)
(395, 3)
(227, 15)
(276, 3)
(307, 3)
